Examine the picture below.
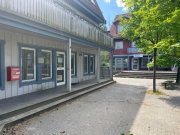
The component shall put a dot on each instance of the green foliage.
(104, 58)
(155, 24)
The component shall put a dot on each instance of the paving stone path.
(113, 110)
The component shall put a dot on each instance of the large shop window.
(92, 64)
(28, 64)
(86, 64)
(46, 72)
(73, 64)
(144, 61)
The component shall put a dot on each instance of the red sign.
(13, 73)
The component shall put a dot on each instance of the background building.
(125, 55)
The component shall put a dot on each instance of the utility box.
(13, 73)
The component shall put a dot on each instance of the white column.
(98, 64)
(69, 66)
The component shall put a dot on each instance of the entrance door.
(60, 68)
(135, 64)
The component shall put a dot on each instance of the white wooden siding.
(12, 37)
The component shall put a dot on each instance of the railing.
(134, 50)
(50, 13)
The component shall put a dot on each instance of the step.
(16, 115)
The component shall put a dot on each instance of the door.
(135, 64)
(60, 68)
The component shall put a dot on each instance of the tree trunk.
(154, 70)
(178, 75)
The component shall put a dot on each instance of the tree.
(155, 26)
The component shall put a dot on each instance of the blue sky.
(110, 8)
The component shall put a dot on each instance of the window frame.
(92, 56)
(74, 55)
(32, 49)
(116, 43)
(86, 73)
(46, 78)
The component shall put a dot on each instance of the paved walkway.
(113, 110)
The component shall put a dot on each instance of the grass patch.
(155, 93)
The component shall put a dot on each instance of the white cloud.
(121, 5)
(107, 1)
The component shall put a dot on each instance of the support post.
(69, 66)
(98, 64)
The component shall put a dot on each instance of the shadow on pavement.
(118, 105)
(173, 101)
(111, 110)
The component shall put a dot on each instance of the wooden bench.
(168, 83)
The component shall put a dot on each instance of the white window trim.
(93, 64)
(32, 49)
(85, 73)
(74, 55)
(45, 78)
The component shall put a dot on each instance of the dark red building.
(125, 55)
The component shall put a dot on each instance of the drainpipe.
(69, 66)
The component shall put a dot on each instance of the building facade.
(49, 43)
(125, 55)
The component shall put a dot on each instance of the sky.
(111, 8)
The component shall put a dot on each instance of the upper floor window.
(28, 62)
(119, 45)
(119, 29)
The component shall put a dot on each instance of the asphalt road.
(113, 110)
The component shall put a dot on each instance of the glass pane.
(60, 76)
(145, 61)
(92, 64)
(46, 65)
(60, 60)
(28, 64)
(85, 64)
(73, 64)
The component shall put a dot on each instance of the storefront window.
(46, 64)
(144, 61)
(125, 62)
(92, 64)
(85, 64)
(73, 64)
(28, 64)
